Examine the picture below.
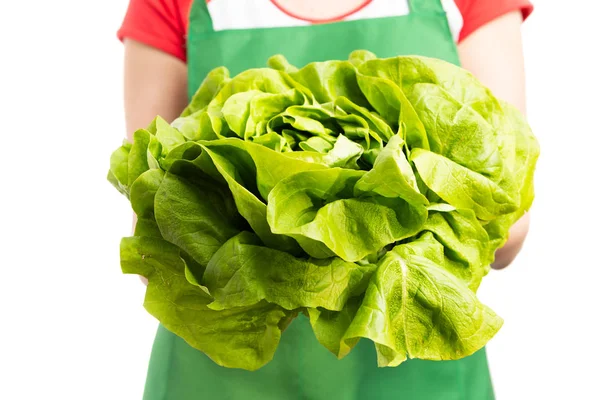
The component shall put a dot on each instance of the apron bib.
(302, 369)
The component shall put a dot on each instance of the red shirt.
(163, 24)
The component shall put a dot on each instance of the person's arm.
(494, 54)
(155, 84)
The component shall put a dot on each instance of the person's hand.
(516, 236)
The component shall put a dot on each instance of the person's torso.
(243, 34)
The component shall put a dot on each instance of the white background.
(73, 327)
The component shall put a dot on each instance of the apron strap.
(426, 6)
(201, 17)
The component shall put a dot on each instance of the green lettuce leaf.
(194, 212)
(211, 85)
(415, 308)
(244, 272)
(462, 245)
(142, 195)
(330, 80)
(142, 155)
(462, 187)
(320, 206)
(118, 174)
(244, 337)
(330, 327)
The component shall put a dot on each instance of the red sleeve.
(477, 13)
(158, 23)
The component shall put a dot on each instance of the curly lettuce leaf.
(118, 174)
(330, 80)
(142, 195)
(194, 212)
(462, 187)
(414, 307)
(318, 208)
(352, 213)
(211, 85)
(243, 337)
(244, 272)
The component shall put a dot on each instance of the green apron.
(302, 368)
